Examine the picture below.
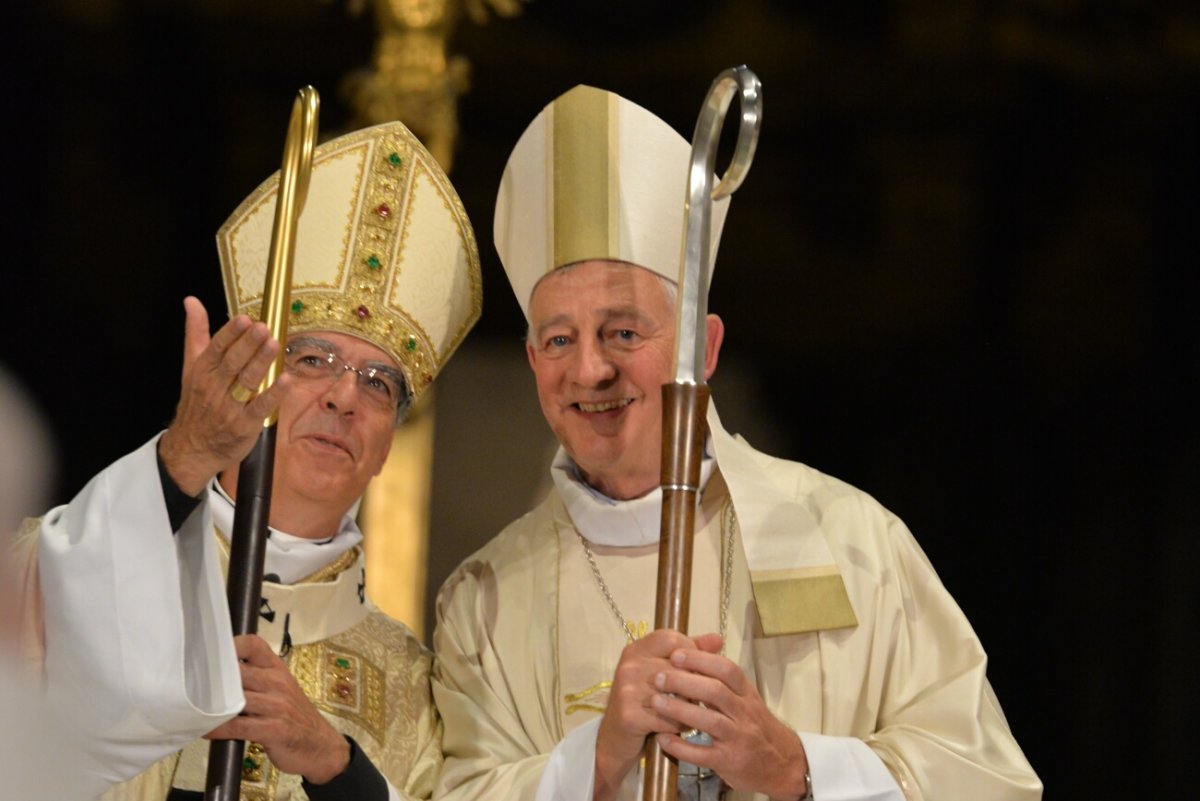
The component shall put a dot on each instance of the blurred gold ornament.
(413, 76)
(414, 79)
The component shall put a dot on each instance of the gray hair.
(669, 287)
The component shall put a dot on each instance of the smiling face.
(601, 347)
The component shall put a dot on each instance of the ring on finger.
(240, 393)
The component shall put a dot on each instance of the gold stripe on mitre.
(799, 600)
(594, 176)
(584, 127)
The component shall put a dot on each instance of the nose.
(592, 365)
(342, 393)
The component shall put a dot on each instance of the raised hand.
(213, 429)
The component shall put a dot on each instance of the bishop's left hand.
(751, 749)
(280, 717)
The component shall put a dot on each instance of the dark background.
(962, 272)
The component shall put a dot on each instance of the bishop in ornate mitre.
(126, 580)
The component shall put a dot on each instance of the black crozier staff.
(248, 541)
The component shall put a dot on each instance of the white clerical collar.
(606, 521)
(289, 557)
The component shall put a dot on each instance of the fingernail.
(660, 680)
(678, 658)
(660, 702)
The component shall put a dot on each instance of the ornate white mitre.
(384, 251)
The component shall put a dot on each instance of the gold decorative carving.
(413, 77)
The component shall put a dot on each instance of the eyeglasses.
(315, 360)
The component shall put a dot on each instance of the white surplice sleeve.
(570, 774)
(846, 769)
(139, 648)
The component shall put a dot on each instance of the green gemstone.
(249, 764)
(412, 343)
(394, 159)
(342, 663)
(297, 306)
(374, 263)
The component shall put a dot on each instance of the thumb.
(195, 329)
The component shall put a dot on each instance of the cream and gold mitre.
(594, 176)
(384, 251)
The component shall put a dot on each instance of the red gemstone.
(363, 312)
(383, 210)
(343, 690)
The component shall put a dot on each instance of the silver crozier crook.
(685, 401)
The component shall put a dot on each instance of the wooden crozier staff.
(248, 541)
(685, 401)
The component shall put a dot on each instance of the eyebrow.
(606, 316)
(558, 319)
(624, 313)
(314, 341)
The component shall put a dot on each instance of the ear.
(714, 335)
(531, 354)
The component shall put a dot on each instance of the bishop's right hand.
(630, 715)
(213, 429)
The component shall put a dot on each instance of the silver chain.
(728, 534)
(728, 529)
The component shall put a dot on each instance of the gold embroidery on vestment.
(595, 688)
(572, 700)
(342, 683)
(252, 762)
(333, 569)
(260, 777)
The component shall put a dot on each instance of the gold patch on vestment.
(800, 600)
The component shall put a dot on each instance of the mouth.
(603, 406)
(330, 443)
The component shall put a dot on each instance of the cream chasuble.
(897, 706)
(590, 646)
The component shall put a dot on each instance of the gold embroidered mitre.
(594, 176)
(384, 251)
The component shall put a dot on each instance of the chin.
(320, 491)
